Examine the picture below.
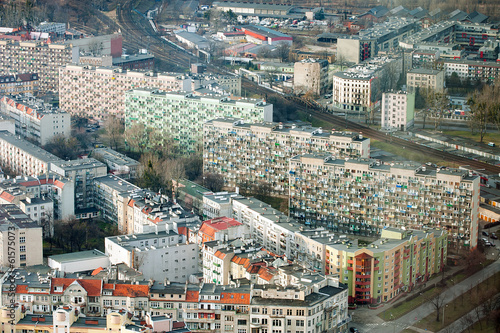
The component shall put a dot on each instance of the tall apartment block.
(256, 152)
(363, 196)
(96, 92)
(81, 172)
(381, 270)
(22, 157)
(398, 110)
(34, 56)
(36, 120)
(181, 116)
(28, 249)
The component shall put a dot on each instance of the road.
(373, 324)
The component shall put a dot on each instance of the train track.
(134, 35)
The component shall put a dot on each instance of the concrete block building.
(425, 78)
(36, 120)
(181, 115)
(19, 84)
(310, 75)
(255, 152)
(398, 110)
(364, 196)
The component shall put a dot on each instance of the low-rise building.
(425, 78)
(159, 256)
(217, 204)
(14, 84)
(82, 261)
(221, 229)
(398, 110)
(118, 164)
(180, 116)
(485, 71)
(36, 120)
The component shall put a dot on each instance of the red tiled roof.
(7, 196)
(234, 298)
(93, 287)
(59, 183)
(239, 260)
(131, 290)
(265, 274)
(131, 203)
(21, 289)
(182, 231)
(192, 296)
(210, 227)
(220, 255)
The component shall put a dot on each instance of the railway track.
(134, 35)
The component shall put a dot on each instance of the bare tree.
(136, 137)
(114, 129)
(437, 303)
(96, 47)
(283, 51)
(214, 182)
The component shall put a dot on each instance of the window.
(22, 257)
(289, 312)
(276, 322)
(22, 239)
(242, 330)
(107, 302)
(117, 302)
(299, 323)
(242, 322)
(264, 321)
(124, 302)
(300, 312)
(22, 248)
(289, 322)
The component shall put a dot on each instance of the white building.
(159, 256)
(22, 157)
(55, 27)
(217, 204)
(79, 261)
(119, 164)
(398, 110)
(34, 119)
(40, 210)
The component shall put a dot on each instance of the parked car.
(485, 233)
(493, 236)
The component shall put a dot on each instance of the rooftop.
(115, 157)
(29, 148)
(78, 256)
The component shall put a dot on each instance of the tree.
(79, 122)
(472, 260)
(114, 129)
(136, 137)
(96, 47)
(214, 182)
(283, 51)
(479, 109)
(436, 102)
(437, 303)
(62, 147)
(173, 169)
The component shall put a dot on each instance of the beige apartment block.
(310, 75)
(362, 196)
(425, 79)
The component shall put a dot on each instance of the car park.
(485, 233)
(493, 236)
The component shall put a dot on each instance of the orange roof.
(21, 289)
(108, 286)
(7, 196)
(59, 183)
(93, 287)
(210, 227)
(96, 271)
(239, 260)
(131, 203)
(131, 290)
(265, 274)
(234, 298)
(182, 231)
(192, 296)
(220, 255)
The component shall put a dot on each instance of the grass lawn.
(409, 154)
(408, 330)
(460, 305)
(398, 312)
(489, 137)
(485, 328)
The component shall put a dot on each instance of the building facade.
(35, 56)
(310, 75)
(424, 78)
(36, 120)
(19, 84)
(181, 116)
(364, 196)
(398, 110)
(250, 153)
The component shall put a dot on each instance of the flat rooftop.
(29, 148)
(78, 256)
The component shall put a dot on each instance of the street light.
(393, 322)
(444, 307)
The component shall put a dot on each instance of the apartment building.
(36, 120)
(485, 71)
(41, 211)
(363, 196)
(425, 78)
(249, 153)
(159, 256)
(59, 189)
(310, 75)
(181, 116)
(14, 84)
(54, 27)
(118, 164)
(36, 56)
(217, 204)
(268, 227)
(22, 157)
(398, 110)
(27, 235)
(81, 172)
(96, 92)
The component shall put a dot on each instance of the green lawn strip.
(489, 137)
(484, 327)
(459, 306)
(314, 121)
(404, 308)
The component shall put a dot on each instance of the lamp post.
(393, 323)
(444, 307)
